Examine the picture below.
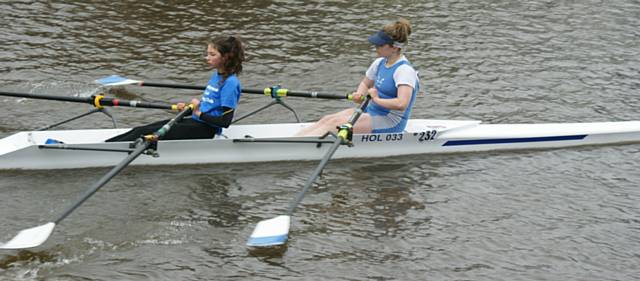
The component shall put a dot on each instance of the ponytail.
(399, 31)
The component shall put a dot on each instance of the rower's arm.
(400, 102)
(222, 121)
(362, 89)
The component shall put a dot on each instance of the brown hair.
(232, 51)
(399, 31)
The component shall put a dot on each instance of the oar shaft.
(359, 110)
(319, 95)
(106, 178)
(266, 91)
(298, 94)
(96, 100)
(35, 236)
(141, 146)
(314, 176)
(47, 97)
(276, 231)
(134, 103)
(173, 86)
(332, 150)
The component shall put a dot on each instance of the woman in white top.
(391, 82)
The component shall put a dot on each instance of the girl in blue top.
(214, 110)
(391, 82)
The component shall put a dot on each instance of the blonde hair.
(399, 31)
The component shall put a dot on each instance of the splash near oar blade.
(271, 232)
(29, 238)
(115, 80)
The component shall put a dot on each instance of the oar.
(115, 80)
(275, 231)
(96, 100)
(35, 236)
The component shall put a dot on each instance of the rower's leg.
(326, 124)
(364, 124)
(186, 129)
(136, 132)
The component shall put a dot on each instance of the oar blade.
(270, 232)
(29, 238)
(115, 80)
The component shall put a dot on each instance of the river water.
(564, 214)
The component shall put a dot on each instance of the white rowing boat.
(275, 142)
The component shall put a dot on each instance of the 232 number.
(426, 135)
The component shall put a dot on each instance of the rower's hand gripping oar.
(275, 231)
(115, 80)
(35, 236)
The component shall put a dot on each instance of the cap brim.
(376, 40)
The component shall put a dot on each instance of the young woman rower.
(215, 109)
(391, 82)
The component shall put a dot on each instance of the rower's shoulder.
(232, 80)
(405, 61)
(406, 69)
(376, 62)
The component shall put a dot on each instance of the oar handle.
(359, 110)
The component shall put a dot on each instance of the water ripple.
(530, 215)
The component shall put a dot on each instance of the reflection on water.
(205, 190)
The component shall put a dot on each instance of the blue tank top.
(387, 89)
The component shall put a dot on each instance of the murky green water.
(569, 214)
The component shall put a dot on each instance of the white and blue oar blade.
(115, 80)
(271, 232)
(29, 238)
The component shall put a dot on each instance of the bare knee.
(325, 119)
(336, 121)
(330, 120)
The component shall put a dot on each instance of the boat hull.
(23, 150)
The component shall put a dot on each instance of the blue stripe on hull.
(513, 140)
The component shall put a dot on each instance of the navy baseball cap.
(380, 38)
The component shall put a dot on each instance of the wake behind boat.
(276, 142)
